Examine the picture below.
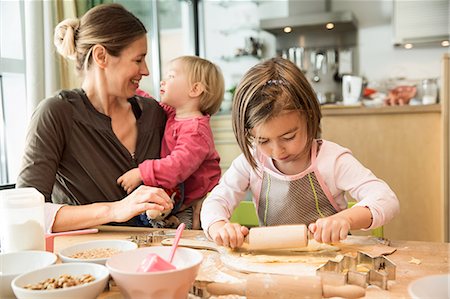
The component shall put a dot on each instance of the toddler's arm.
(130, 180)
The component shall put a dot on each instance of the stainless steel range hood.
(343, 21)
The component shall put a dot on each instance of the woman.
(80, 141)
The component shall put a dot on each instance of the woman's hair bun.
(65, 38)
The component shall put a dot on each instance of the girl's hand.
(142, 199)
(330, 229)
(130, 180)
(228, 234)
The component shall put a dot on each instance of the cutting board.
(291, 261)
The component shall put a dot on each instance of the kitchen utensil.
(282, 236)
(432, 286)
(96, 251)
(301, 262)
(177, 240)
(49, 238)
(352, 87)
(173, 284)
(400, 95)
(15, 263)
(153, 262)
(318, 66)
(89, 290)
(360, 270)
(268, 286)
(299, 59)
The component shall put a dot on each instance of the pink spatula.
(154, 263)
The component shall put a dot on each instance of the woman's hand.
(228, 234)
(130, 180)
(142, 199)
(330, 229)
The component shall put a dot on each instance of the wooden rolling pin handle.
(346, 291)
(278, 237)
(220, 288)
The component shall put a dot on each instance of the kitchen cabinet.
(421, 22)
(404, 146)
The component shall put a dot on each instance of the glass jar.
(21, 220)
(429, 91)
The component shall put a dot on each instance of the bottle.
(430, 91)
(21, 220)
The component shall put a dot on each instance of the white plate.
(434, 286)
(121, 245)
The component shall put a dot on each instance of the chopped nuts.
(63, 281)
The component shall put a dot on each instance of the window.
(13, 106)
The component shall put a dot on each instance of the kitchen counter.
(413, 259)
(329, 110)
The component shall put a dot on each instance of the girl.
(293, 176)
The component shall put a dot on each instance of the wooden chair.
(245, 214)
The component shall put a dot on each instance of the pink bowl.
(170, 284)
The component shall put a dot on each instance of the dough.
(317, 254)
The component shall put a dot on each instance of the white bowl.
(15, 263)
(121, 245)
(171, 284)
(430, 287)
(86, 291)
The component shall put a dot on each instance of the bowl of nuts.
(13, 264)
(97, 251)
(71, 280)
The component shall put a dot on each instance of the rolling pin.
(277, 237)
(269, 286)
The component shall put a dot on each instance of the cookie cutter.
(362, 270)
(151, 239)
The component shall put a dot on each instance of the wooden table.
(433, 257)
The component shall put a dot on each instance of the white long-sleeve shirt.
(339, 169)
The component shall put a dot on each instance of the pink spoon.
(176, 241)
(154, 262)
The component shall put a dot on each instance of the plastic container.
(21, 220)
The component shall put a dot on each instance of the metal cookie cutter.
(151, 239)
(361, 270)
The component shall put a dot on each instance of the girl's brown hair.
(109, 25)
(209, 74)
(266, 90)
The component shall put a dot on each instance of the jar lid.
(20, 198)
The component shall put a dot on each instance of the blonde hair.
(266, 90)
(109, 25)
(209, 74)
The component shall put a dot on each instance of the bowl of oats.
(98, 251)
(72, 280)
